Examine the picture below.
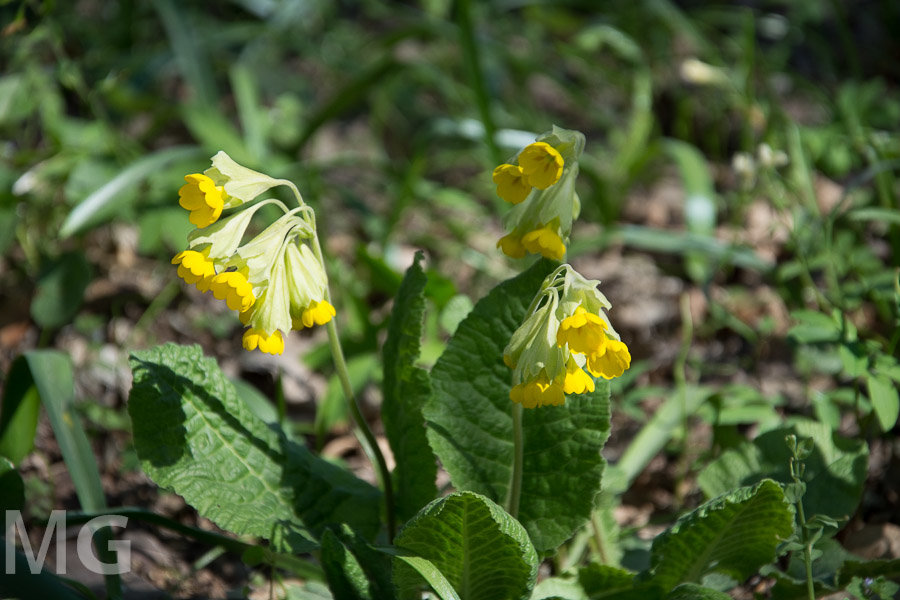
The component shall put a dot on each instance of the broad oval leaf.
(194, 435)
(734, 534)
(470, 426)
(482, 551)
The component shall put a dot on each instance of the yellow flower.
(274, 280)
(542, 164)
(203, 198)
(195, 268)
(317, 313)
(541, 185)
(538, 392)
(565, 332)
(546, 242)
(233, 287)
(511, 183)
(584, 332)
(576, 380)
(257, 338)
(511, 245)
(612, 362)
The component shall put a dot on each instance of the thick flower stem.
(363, 432)
(515, 486)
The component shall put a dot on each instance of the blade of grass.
(673, 242)
(52, 374)
(699, 204)
(192, 62)
(246, 96)
(108, 194)
(472, 57)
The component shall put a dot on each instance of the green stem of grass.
(807, 552)
(363, 432)
(515, 486)
(471, 56)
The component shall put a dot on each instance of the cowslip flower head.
(541, 220)
(273, 281)
(565, 338)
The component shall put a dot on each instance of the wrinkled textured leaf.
(734, 534)
(194, 436)
(482, 551)
(354, 569)
(470, 422)
(405, 390)
(835, 471)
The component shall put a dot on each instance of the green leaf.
(835, 471)
(430, 573)
(692, 591)
(481, 550)
(734, 534)
(194, 435)
(22, 584)
(353, 569)
(603, 582)
(813, 327)
(12, 490)
(60, 290)
(405, 389)
(18, 412)
(470, 422)
(886, 567)
(108, 194)
(552, 588)
(345, 576)
(885, 401)
(699, 203)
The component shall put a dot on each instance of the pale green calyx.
(256, 256)
(307, 281)
(240, 183)
(224, 236)
(271, 311)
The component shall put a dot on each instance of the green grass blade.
(108, 194)
(252, 117)
(52, 374)
(699, 204)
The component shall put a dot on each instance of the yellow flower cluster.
(275, 282)
(565, 339)
(540, 183)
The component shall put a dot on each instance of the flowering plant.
(516, 410)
